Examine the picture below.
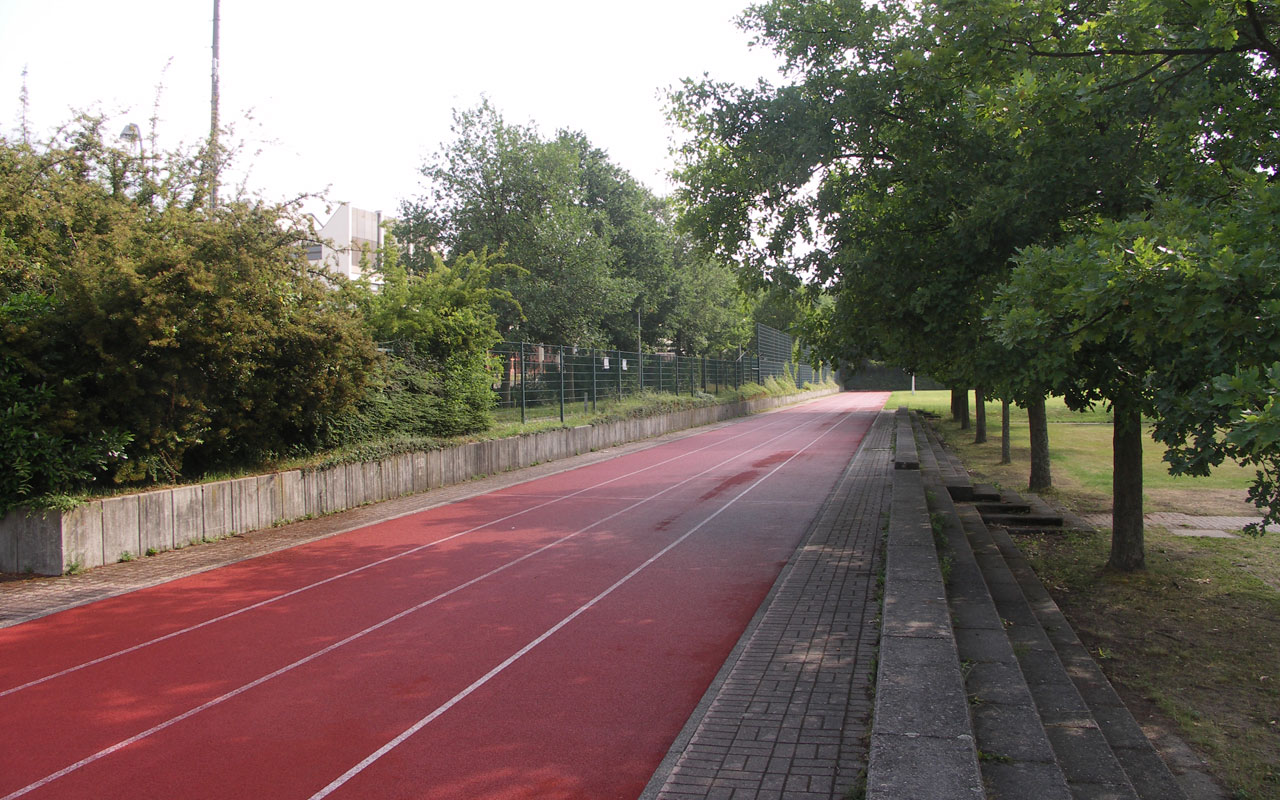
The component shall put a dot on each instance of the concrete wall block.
(435, 468)
(120, 521)
(244, 504)
(483, 459)
(40, 543)
(217, 509)
(397, 476)
(188, 515)
(270, 499)
(500, 455)
(312, 492)
(9, 527)
(82, 536)
(420, 474)
(293, 499)
(335, 489)
(466, 468)
(357, 492)
(155, 521)
(374, 482)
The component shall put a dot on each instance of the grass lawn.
(1196, 635)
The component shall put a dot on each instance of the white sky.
(351, 97)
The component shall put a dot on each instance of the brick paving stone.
(801, 679)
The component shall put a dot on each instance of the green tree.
(439, 324)
(1140, 309)
(499, 187)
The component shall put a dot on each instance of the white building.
(349, 243)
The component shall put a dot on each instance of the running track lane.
(547, 640)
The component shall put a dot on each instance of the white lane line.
(349, 573)
(342, 779)
(400, 615)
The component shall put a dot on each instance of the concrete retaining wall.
(117, 528)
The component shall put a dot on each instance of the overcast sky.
(351, 97)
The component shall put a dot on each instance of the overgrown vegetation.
(145, 338)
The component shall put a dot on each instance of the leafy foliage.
(594, 246)
(439, 325)
(144, 337)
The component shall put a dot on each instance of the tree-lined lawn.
(1080, 449)
(1192, 642)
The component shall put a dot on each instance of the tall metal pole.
(523, 383)
(213, 116)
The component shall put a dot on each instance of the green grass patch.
(1080, 455)
(1197, 634)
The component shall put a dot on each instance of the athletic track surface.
(547, 640)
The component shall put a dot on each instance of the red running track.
(547, 640)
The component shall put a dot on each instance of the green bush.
(144, 337)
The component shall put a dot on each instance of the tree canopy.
(968, 180)
(595, 248)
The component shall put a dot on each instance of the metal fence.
(778, 356)
(542, 380)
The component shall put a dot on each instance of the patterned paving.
(789, 715)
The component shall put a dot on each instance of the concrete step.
(986, 493)
(1024, 520)
(1015, 756)
(1031, 683)
(1148, 773)
(1003, 507)
(1080, 748)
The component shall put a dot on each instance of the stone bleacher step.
(1080, 748)
(986, 508)
(985, 493)
(1027, 648)
(1026, 520)
(1148, 773)
(1015, 756)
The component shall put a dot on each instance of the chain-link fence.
(543, 380)
(779, 356)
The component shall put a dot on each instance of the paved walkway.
(790, 712)
(1180, 524)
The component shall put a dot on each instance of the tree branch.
(1264, 43)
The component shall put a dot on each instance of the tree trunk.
(1126, 488)
(980, 415)
(1039, 423)
(1006, 451)
(956, 394)
(960, 407)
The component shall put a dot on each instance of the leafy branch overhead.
(1032, 197)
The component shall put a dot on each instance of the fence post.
(523, 385)
(593, 379)
(562, 384)
(659, 373)
(640, 368)
(617, 367)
